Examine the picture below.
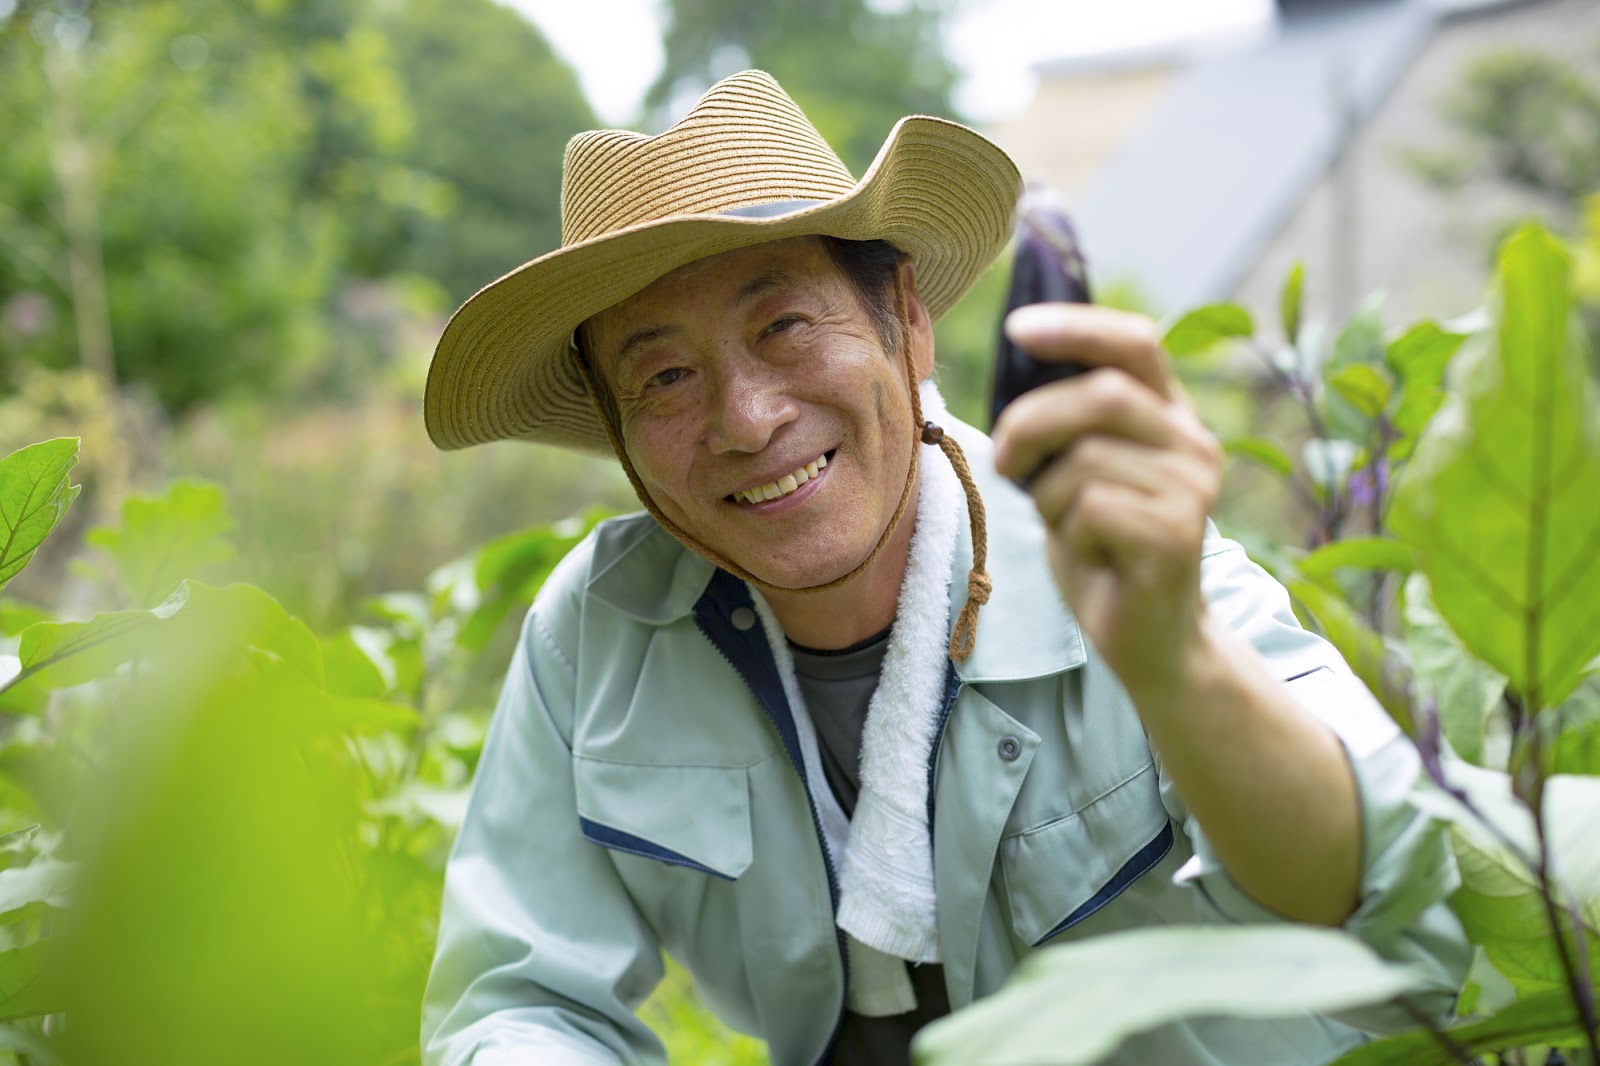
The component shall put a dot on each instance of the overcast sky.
(616, 44)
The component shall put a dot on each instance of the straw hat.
(744, 166)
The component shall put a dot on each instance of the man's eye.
(668, 376)
(781, 324)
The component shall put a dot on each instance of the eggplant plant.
(1473, 450)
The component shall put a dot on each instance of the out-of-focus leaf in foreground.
(34, 494)
(1070, 1005)
(224, 909)
(1502, 496)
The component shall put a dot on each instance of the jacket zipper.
(714, 611)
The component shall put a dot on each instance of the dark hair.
(870, 267)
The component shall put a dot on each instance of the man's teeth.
(785, 484)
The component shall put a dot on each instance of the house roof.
(1187, 204)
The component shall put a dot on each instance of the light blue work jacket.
(641, 790)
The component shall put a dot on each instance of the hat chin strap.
(964, 633)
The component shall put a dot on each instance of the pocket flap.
(694, 816)
(1060, 873)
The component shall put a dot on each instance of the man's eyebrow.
(641, 337)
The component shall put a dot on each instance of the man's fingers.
(1047, 421)
(1098, 336)
(1141, 468)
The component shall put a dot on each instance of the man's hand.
(1124, 475)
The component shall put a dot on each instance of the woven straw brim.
(504, 368)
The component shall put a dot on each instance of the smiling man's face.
(760, 409)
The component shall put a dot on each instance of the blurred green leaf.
(1500, 494)
(1419, 357)
(510, 570)
(1070, 1005)
(1500, 902)
(63, 654)
(1463, 688)
(349, 670)
(16, 616)
(1360, 341)
(29, 986)
(1577, 751)
(1289, 302)
(164, 539)
(1361, 553)
(248, 616)
(1262, 451)
(1203, 327)
(1546, 1018)
(1361, 648)
(1363, 386)
(34, 494)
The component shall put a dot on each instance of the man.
(848, 723)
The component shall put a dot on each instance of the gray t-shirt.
(837, 686)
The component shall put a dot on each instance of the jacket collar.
(641, 570)
(1024, 631)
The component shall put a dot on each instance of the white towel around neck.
(884, 853)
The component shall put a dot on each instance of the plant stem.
(1576, 970)
(1440, 1037)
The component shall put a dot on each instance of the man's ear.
(918, 319)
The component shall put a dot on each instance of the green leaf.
(250, 617)
(349, 670)
(1500, 903)
(34, 494)
(1418, 358)
(1361, 553)
(1463, 688)
(1075, 1003)
(1203, 327)
(16, 616)
(1262, 451)
(164, 539)
(1362, 649)
(63, 654)
(1578, 750)
(28, 890)
(1500, 494)
(1289, 302)
(510, 570)
(1360, 342)
(1547, 1018)
(1366, 388)
(28, 984)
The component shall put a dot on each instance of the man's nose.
(751, 402)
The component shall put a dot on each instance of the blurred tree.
(1526, 118)
(853, 67)
(190, 187)
(494, 108)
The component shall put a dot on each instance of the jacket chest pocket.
(1061, 872)
(696, 817)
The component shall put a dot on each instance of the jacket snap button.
(1010, 748)
(742, 618)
